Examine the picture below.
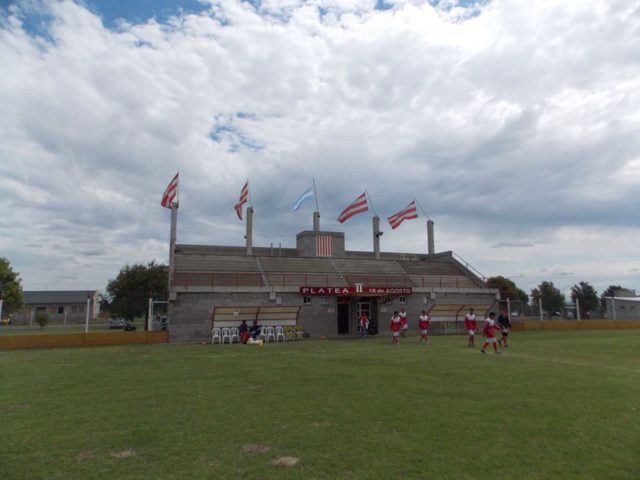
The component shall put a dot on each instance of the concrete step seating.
(213, 263)
(299, 265)
(299, 279)
(442, 281)
(429, 268)
(349, 266)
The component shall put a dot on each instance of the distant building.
(60, 305)
(622, 307)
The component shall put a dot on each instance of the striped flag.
(244, 196)
(324, 246)
(406, 214)
(359, 205)
(170, 195)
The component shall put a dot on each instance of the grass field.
(562, 405)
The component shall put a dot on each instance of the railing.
(281, 279)
(470, 267)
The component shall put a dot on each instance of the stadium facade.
(330, 286)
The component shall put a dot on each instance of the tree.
(11, 289)
(552, 298)
(508, 289)
(42, 319)
(586, 295)
(129, 292)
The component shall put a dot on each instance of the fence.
(55, 340)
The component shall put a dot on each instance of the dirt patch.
(85, 455)
(320, 424)
(254, 387)
(124, 453)
(254, 448)
(285, 461)
(21, 405)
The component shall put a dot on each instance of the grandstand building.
(325, 286)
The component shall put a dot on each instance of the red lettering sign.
(359, 291)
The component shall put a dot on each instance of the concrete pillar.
(172, 243)
(316, 221)
(249, 235)
(430, 242)
(376, 236)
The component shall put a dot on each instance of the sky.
(514, 124)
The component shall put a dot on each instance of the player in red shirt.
(403, 322)
(395, 326)
(471, 326)
(423, 322)
(364, 324)
(489, 332)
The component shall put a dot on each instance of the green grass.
(560, 405)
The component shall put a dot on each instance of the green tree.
(11, 289)
(42, 319)
(129, 292)
(508, 289)
(586, 295)
(552, 298)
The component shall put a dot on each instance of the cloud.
(507, 121)
(513, 244)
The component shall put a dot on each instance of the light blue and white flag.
(308, 193)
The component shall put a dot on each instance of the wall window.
(402, 300)
(306, 300)
(60, 309)
(324, 300)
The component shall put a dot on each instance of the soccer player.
(364, 324)
(423, 322)
(488, 332)
(395, 327)
(471, 325)
(404, 322)
(505, 326)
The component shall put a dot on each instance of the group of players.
(400, 326)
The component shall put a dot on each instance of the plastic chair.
(215, 333)
(234, 333)
(279, 333)
(226, 334)
(269, 333)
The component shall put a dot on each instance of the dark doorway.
(343, 315)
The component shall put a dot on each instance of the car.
(121, 324)
(117, 323)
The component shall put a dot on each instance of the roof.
(57, 296)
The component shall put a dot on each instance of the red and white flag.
(244, 196)
(359, 205)
(406, 214)
(170, 195)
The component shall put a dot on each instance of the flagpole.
(249, 192)
(315, 194)
(371, 202)
(420, 205)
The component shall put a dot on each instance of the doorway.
(343, 315)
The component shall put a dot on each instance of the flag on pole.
(244, 196)
(170, 195)
(308, 193)
(406, 214)
(359, 205)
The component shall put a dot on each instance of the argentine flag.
(308, 193)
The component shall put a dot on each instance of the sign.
(358, 290)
